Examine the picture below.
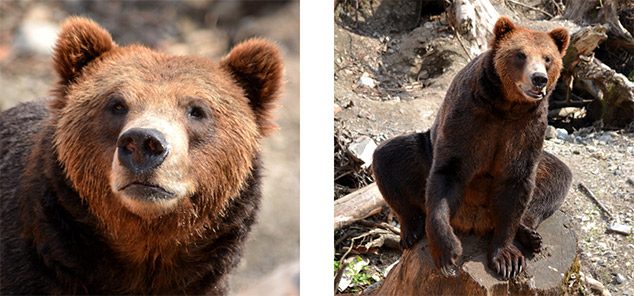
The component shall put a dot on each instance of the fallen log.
(617, 101)
(545, 274)
(612, 91)
(588, 12)
(582, 43)
(473, 21)
(358, 205)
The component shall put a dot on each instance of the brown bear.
(141, 175)
(481, 167)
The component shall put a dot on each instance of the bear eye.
(196, 112)
(117, 106)
(547, 59)
(520, 56)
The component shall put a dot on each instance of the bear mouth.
(535, 93)
(146, 192)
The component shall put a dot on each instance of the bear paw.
(446, 254)
(412, 232)
(507, 261)
(530, 239)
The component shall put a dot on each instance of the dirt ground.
(410, 66)
(208, 28)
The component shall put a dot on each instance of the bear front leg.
(552, 182)
(510, 201)
(443, 198)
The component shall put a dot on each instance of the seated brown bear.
(481, 167)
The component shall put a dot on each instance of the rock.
(415, 273)
(619, 278)
(366, 80)
(565, 112)
(595, 285)
(551, 132)
(562, 134)
(365, 114)
(605, 138)
(362, 148)
(620, 228)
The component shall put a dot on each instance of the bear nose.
(539, 79)
(142, 150)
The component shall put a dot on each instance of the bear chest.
(494, 160)
(474, 213)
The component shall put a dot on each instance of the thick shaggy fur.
(66, 229)
(481, 167)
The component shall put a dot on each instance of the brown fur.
(481, 167)
(187, 248)
(249, 74)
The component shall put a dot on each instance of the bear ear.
(80, 41)
(502, 27)
(561, 38)
(256, 65)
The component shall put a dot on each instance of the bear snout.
(539, 80)
(141, 150)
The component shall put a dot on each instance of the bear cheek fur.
(223, 162)
(79, 137)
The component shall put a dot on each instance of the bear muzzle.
(142, 150)
(539, 80)
(535, 81)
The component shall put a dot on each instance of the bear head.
(528, 62)
(142, 135)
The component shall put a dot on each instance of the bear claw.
(446, 258)
(507, 261)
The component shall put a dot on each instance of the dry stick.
(532, 8)
(342, 266)
(342, 238)
(383, 225)
(556, 6)
(509, 6)
(461, 43)
(391, 228)
(342, 261)
(339, 275)
(594, 198)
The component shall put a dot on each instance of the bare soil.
(412, 63)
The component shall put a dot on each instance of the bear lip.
(146, 191)
(534, 93)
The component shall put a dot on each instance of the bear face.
(165, 136)
(528, 62)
